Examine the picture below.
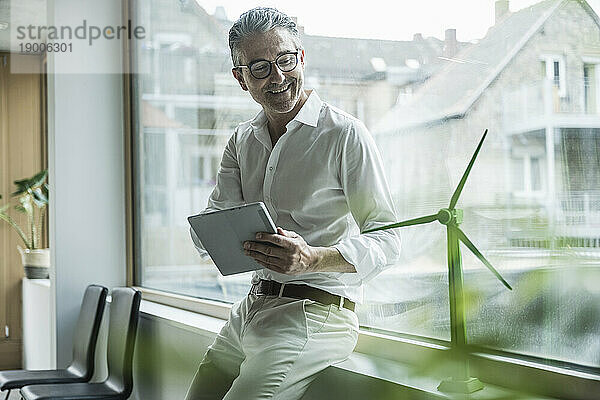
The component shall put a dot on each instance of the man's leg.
(210, 382)
(287, 343)
(222, 361)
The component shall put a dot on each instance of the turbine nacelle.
(446, 216)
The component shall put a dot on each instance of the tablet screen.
(223, 232)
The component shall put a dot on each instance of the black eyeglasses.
(260, 69)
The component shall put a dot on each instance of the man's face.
(267, 91)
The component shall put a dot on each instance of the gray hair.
(259, 20)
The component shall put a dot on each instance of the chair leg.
(7, 394)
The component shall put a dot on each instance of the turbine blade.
(461, 184)
(415, 221)
(463, 238)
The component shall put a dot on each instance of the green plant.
(32, 196)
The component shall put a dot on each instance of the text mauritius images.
(83, 31)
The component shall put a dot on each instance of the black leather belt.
(294, 291)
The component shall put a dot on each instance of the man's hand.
(285, 252)
(288, 253)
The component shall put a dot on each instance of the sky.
(383, 19)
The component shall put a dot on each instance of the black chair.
(124, 313)
(84, 348)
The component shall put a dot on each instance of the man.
(320, 176)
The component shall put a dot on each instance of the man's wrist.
(329, 259)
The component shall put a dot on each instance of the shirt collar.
(310, 111)
(259, 120)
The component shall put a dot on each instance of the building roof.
(333, 59)
(452, 91)
(350, 58)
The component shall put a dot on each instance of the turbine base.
(451, 385)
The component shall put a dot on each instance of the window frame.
(527, 190)
(549, 60)
(595, 61)
(514, 371)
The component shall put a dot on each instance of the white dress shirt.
(323, 179)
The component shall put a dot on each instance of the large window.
(532, 202)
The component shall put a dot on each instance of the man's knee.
(210, 382)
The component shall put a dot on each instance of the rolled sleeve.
(228, 189)
(370, 202)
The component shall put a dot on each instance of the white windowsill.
(199, 323)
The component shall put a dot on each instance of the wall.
(168, 352)
(166, 358)
(86, 163)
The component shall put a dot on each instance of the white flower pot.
(35, 262)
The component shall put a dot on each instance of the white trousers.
(272, 348)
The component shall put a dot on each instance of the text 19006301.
(46, 47)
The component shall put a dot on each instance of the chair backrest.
(86, 330)
(124, 314)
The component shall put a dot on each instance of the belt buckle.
(281, 289)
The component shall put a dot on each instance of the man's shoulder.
(243, 129)
(345, 126)
(335, 116)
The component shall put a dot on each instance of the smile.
(280, 90)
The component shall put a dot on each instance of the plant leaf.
(38, 179)
(39, 203)
(39, 197)
(21, 188)
(23, 185)
(17, 228)
(26, 203)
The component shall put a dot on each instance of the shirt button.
(270, 168)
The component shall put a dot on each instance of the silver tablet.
(223, 233)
